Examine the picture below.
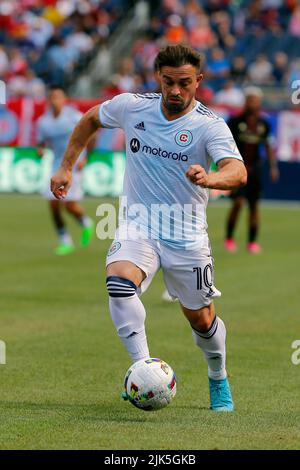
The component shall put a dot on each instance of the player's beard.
(176, 108)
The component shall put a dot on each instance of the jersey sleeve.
(76, 116)
(220, 143)
(113, 113)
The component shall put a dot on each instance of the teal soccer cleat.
(124, 395)
(220, 395)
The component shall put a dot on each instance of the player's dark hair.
(175, 56)
(56, 86)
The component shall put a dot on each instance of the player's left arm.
(272, 160)
(273, 166)
(89, 148)
(231, 174)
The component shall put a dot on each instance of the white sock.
(85, 221)
(212, 343)
(128, 315)
(64, 237)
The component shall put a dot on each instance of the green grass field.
(60, 388)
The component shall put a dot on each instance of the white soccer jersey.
(159, 153)
(56, 131)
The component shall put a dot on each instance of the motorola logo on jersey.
(165, 153)
(135, 145)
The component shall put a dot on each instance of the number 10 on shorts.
(204, 276)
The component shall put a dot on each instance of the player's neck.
(170, 116)
(253, 114)
(56, 112)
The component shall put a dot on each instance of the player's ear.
(199, 79)
(157, 76)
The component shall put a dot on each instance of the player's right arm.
(82, 133)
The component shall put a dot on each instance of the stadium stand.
(56, 41)
(51, 41)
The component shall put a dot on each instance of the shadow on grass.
(101, 412)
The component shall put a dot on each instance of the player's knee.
(120, 287)
(203, 324)
(203, 321)
(126, 270)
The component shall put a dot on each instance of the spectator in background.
(201, 36)
(156, 29)
(191, 14)
(144, 52)
(260, 71)
(80, 41)
(17, 62)
(62, 60)
(226, 40)
(294, 24)
(294, 71)
(218, 68)
(126, 74)
(175, 31)
(238, 70)
(229, 95)
(27, 85)
(222, 24)
(280, 68)
(40, 65)
(253, 22)
(17, 86)
(35, 87)
(40, 31)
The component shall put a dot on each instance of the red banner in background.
(18, 119)
(18, 127)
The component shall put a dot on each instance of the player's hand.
(40, 151)
(274, 174)
(197, 175)
(61, 182)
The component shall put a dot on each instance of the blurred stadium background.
(60, 385)
(97, 49)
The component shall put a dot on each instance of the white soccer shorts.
(188, 274)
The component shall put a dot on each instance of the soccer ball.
(150, 384)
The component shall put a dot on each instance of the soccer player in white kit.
(171, 139)
(54, 129)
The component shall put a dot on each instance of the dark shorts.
(252, 190)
